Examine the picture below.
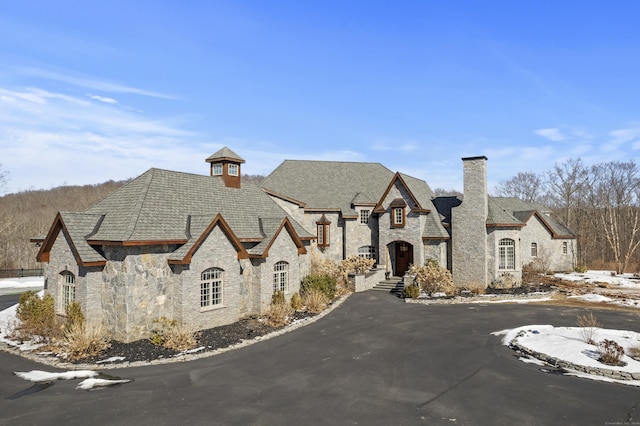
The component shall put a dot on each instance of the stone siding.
(497, 276)
(61, 259)
(549, 249)
(469, 232)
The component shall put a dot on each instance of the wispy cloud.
(92, 83)
(553, 134)
(103, 99)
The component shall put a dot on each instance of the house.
(208, 250)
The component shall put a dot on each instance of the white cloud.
(91, 83)
(553, 134)
(103, 99)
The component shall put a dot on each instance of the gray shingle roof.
(329, 185)
(522, 211)
(79, 226)
(225, 154)
(157, 205)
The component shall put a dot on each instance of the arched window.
(67, 289)
(534, 249)
(367, 252)
(281, 277)
(211, 286)
(507, 254)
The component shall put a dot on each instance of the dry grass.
(180, 338)
(476, 288)
(315, 300)
(279, 314)
(81, 341)
(634, 352)
(589, 325)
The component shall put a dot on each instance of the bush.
(433, 278)
(81, 341)
(411, 291)
(610, 352)
(476, 288)
(340, 271)
(37, 317)
(588, 324)
(172, 335)
(74, 315)
(280, 312)
(581, 269)
(324, 283)
(315, 300)
(296, 302)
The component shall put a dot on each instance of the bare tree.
(4, 178)
(527, 186)
(441, 192)
(615, 199)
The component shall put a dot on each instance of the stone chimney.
(226, 164)
(469, 226)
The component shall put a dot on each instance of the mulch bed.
(211, 339)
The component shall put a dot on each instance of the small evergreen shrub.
(411, 291)
(296, 302)
(581, 269)
(74, 315)
(610, 352)
(324, 283)
(315, 300)
(37, 316)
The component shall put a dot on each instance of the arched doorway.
(402, 257)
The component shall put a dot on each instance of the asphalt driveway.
(373, 361)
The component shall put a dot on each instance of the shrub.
(315, 300)
(296, 302)
(588, 324)
(74, 315)
(324, 283)
(505, 280)
(280, 312)
(412, 291)
(581, 269)
(610, 352)
(433, 278)
(634, 352)
(81, 341)
(476, 288)
(340, 271)
(278, 298)
(172, 335)
(37, 317)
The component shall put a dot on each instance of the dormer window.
(233, 170)
(364, 216)
(217, 169)
(322, 227)
(398, 213)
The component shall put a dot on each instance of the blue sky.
(92, 91)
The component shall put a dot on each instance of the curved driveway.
(373, 361)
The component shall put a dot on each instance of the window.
(565, 248)
(233, 170)
(68, 290)
(398, 212)
(507, 254)
(534, 249)
(217, 169)
(364, 216)
(211, 287)
(281, 277)
(322, 227)
(367, 252)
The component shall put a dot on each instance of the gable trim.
(286, 224)
(397, 177)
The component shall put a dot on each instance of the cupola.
(226, 164)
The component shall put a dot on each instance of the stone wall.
(497, 276)
(468, 226)
(549, 249)
(61, 259)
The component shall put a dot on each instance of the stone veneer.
(468, 226)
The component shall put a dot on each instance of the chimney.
(469, 225)
(226, 164)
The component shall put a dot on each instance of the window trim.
(506, 254)
(398, 217)
(534, 249)
(68, 290)
(565, 247)
(217, 169)
(208, 284)
(281, 277)
(323, 234)
(234, 169)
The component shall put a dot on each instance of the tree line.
(599, 203)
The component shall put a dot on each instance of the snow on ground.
(567, 344)
(608, 277)
(16, 285)
(91, 379)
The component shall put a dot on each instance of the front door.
(404, 258)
